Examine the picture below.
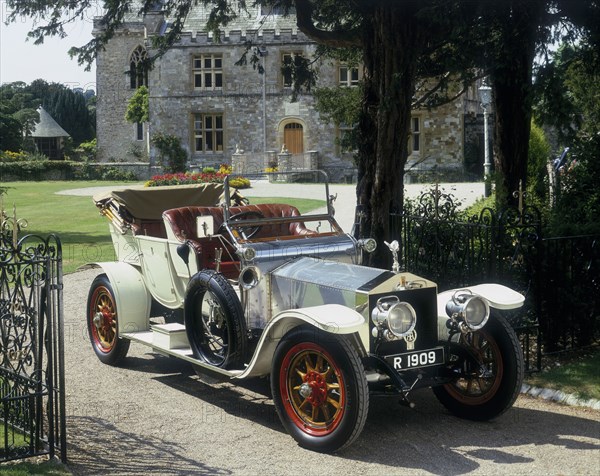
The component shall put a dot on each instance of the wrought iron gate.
(32, 399)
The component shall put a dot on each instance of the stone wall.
(174, 101)
(116, 136)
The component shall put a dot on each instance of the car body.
(261, 290)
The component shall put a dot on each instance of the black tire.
(319, 389)
(102, 322)
(214, 320)
(474, 397)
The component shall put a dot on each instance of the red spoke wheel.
(319, 389)
(102, 320)
(488, 384)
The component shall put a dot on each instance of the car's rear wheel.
(319, 389)
(102, 321)
(489, 379)
(214, 320)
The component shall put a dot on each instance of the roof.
(252, 20)
(47, 127)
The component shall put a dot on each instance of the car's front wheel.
(319, 389)
(102, 321)
(488, 379)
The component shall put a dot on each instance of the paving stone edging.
(559, 397)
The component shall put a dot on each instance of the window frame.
(349, 81)
(202, 72)
(139, 131)
(292, 55)
(138, 73)
(216, 134)
(342, 129)
(416, 135)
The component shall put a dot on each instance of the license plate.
(417, 359)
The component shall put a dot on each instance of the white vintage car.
(256, 290)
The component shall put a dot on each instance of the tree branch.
(337, 39)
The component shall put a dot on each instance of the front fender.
(329, 318)
(498, 297)
(132, 298)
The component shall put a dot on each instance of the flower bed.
(208, 175)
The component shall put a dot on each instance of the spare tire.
(214, 320)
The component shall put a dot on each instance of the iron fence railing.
(559, 277)
(32, 398)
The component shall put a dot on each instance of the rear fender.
(132, 298)
(328, 318)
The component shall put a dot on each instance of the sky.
(21, 60)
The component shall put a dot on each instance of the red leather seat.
(183, 223)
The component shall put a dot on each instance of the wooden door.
(293, 138)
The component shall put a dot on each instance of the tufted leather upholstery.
(183, 220)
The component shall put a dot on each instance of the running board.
(167, 340)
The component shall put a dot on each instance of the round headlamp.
(399, 318)
(368, 244)
(473, 310)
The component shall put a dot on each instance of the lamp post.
(262, 52)
(485, 96)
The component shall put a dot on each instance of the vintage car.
(261, 290)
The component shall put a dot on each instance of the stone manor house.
(222, 112)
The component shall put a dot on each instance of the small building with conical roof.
(48, 136)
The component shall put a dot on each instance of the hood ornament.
(394, 247)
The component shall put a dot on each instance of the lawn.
(75, 219)
(576, 372)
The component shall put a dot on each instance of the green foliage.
(569, 100)
(11, 136)
(87, 150)
(568, 91)
(340, 105)
(172, 155)
(137, 108)
(539, 155)
(37, 167)
(42, 468)
(577, 210)
(578, 375)
(480, 204)
(68, 107)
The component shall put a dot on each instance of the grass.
(52, 468)
(575, 372)
(19, 438)
(82, 231)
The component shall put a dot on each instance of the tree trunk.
(512, 84)
(384, 126)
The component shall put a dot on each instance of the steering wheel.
(247, 232)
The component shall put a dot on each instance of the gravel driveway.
(155, 416)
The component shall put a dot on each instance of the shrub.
(539, 155)
(9, 156)
(172, 156)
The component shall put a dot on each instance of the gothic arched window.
(138, 67)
